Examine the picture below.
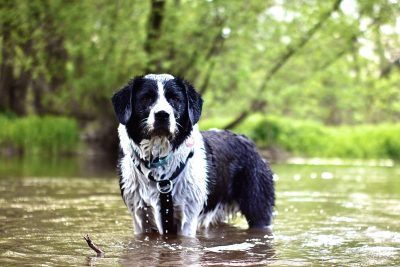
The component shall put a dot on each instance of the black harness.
(164, 186)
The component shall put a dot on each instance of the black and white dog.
(174, 178)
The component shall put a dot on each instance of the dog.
(175, 179)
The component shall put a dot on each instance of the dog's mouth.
(161, 128)
(161, 131)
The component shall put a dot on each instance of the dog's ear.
(122, 102)
(194, 102)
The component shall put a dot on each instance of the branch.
(284, 58)
(352, 40)
(257, 105)
(90, 243)
(209, 52)
(238, 120)
(204, 85)
(292, 50)
(211, 55)
(385, 72)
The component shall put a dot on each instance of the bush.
(366, 141)
(34, 134)
(298, 137)
(312, 139)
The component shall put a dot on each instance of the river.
(327, 213)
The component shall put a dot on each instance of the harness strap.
(167, 214)
(175, 174)
(165, 187)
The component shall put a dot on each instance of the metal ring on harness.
(165, 189)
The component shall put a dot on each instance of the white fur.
(159, 77)
(221, 213)
(162, 105)
(190, 187)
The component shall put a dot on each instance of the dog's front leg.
(138, 221)
(145, 220)
(189, 219)
(189, 228)
(133, 204)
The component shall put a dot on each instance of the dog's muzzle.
(161, 124)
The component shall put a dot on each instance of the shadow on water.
(222, 245)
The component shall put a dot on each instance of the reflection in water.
(326, 216)
(49, 166)
(222, 245)
(153, 250)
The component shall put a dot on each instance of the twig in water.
(90, 243)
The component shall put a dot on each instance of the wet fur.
(225, 175)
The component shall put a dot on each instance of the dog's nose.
(161, 115)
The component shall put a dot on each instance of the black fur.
(237, 174)
(194, 101)
(122, 103)
(132, 104)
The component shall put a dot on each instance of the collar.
(152, 163)
(164, 185)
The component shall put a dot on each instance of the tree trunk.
(39, 85)
(56, 57)
(154, 34)
(13, 90)
(19, 92)
(6, 80)
(6, 67)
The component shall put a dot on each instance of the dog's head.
(158, 105)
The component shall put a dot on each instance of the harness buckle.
(165, 189)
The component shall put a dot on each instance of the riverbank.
(278, 138)
(284, 137)
(33, 134)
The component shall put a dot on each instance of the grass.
(34, 134)
(53, 135)
(311, 139)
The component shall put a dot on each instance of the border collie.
(174, 178)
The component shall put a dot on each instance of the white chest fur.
(189, 193)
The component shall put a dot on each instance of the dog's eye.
(174, 98)
(146, 98)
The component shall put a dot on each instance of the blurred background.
(302, 78)
(316, 84)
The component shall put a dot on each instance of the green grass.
(34, 134)
(52, 135)
(311, 139)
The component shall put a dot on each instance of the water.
(326, 215)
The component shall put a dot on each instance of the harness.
(164, 187)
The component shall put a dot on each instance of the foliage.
(333, 62)
(80, 52)
(34, 134)
(308, 138)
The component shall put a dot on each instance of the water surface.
(326, 215)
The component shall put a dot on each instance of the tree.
(332, 61)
